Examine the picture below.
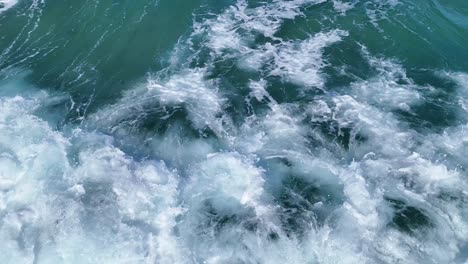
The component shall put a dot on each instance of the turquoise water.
(300, 131)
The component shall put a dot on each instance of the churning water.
(233, 131)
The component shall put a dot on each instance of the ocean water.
(234, 131)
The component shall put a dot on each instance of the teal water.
(300, 131)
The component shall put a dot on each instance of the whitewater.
(299, 131)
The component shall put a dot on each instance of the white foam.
(394, 164)
(462, 80)
(275, 133)
(391, 88)
(301, 62)
(78, 197)
(7, 4)
(107, 207)
(229, 188)
(343, 7)
(297, 61)
(377, 11)
(189, 89)
(200, 96)
(379, 127)
(266, 19)
(225, 177)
